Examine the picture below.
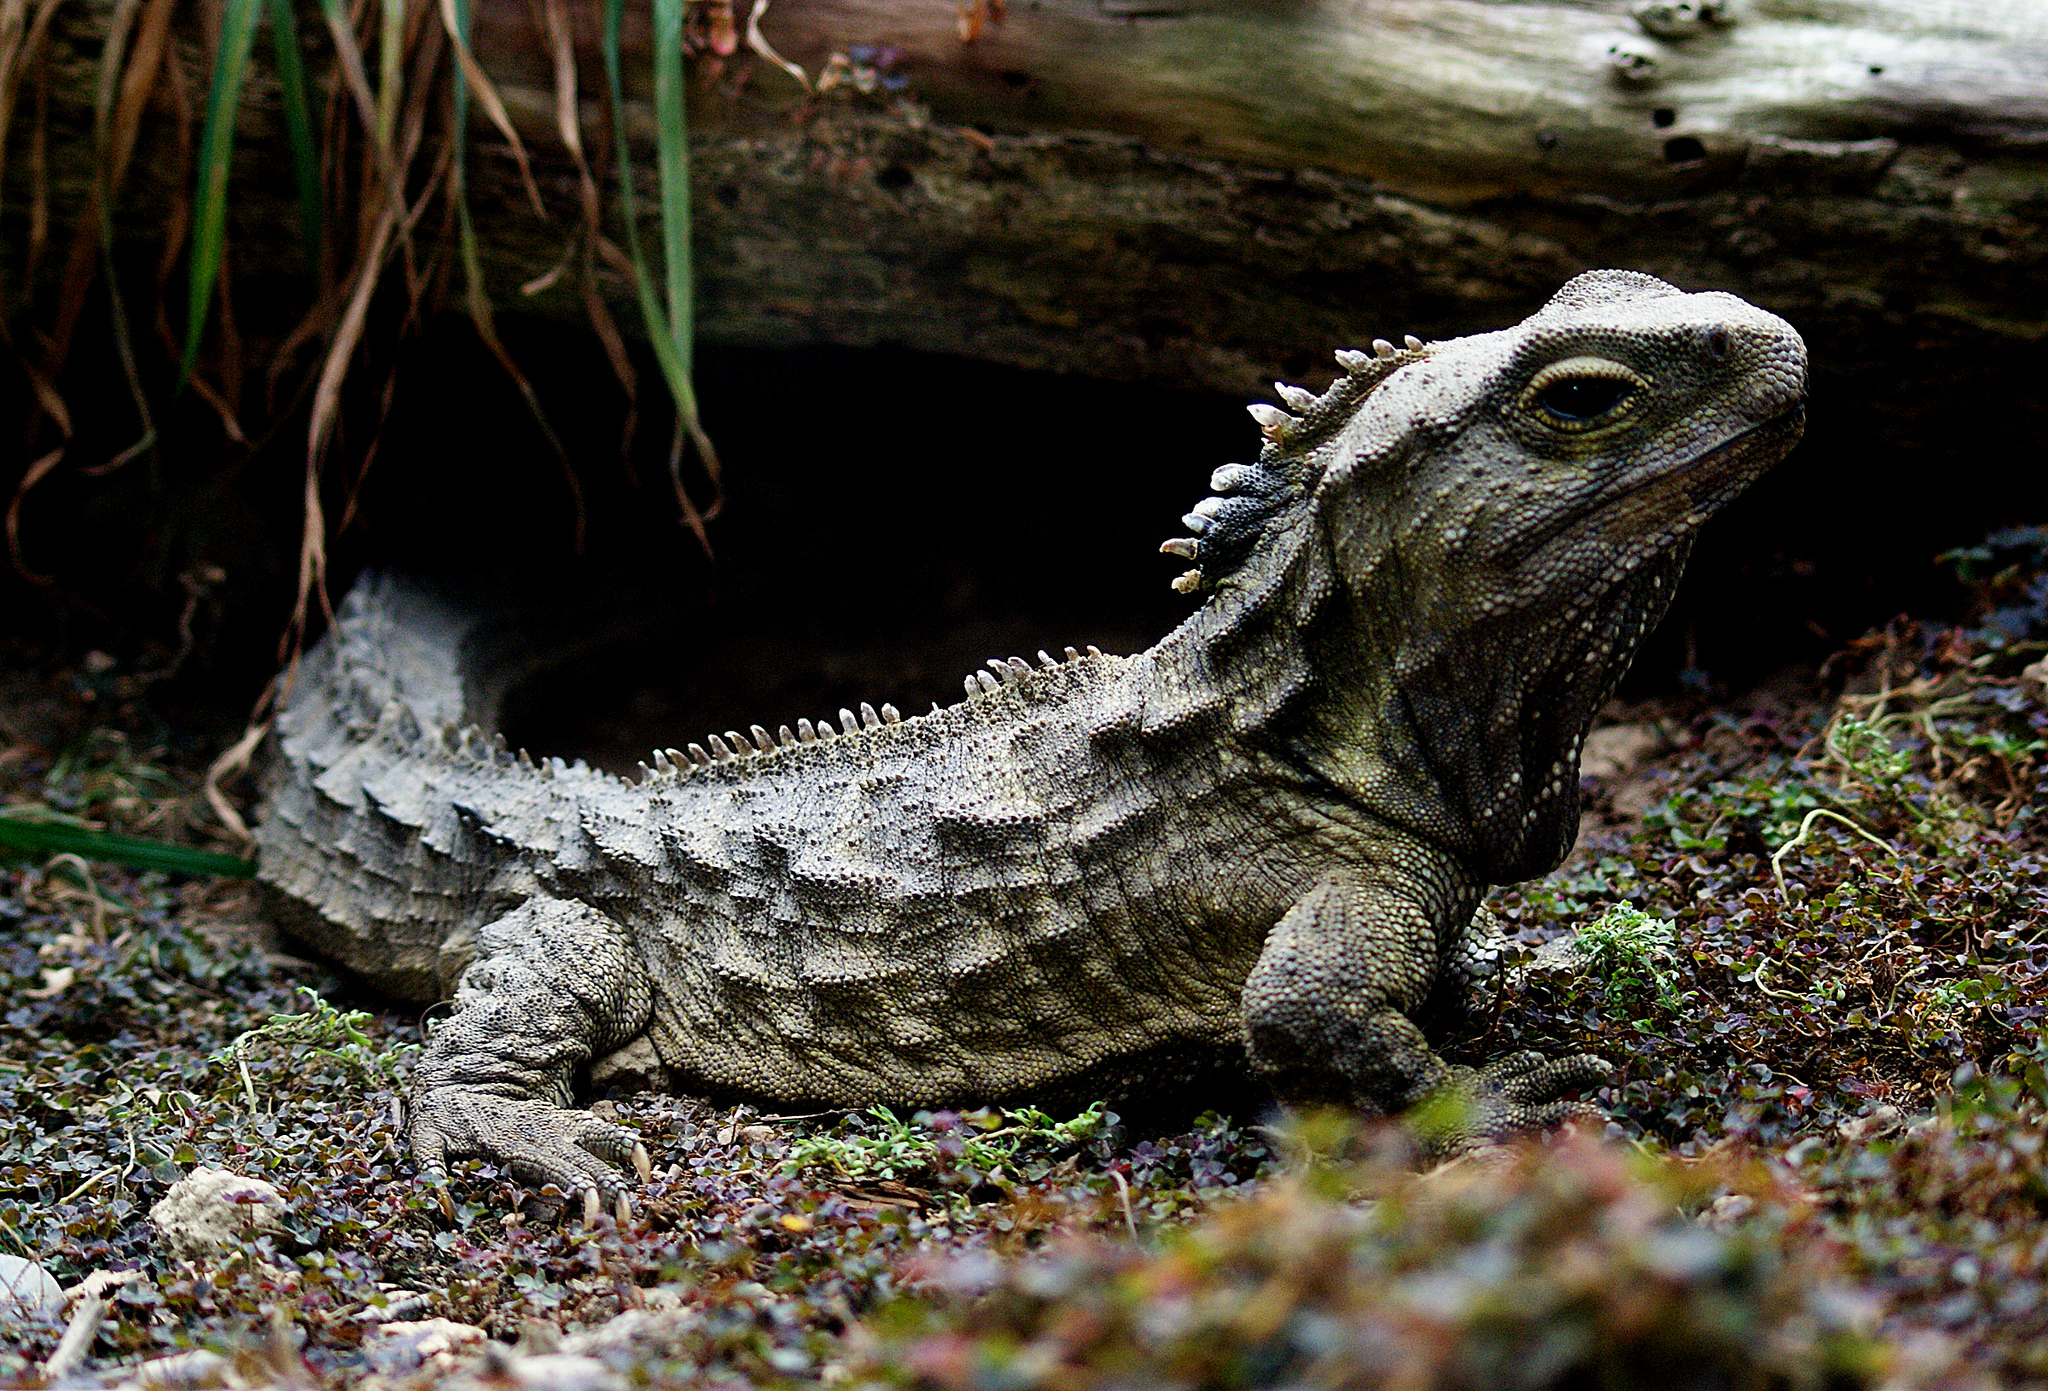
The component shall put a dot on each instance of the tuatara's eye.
(1576, 400)
(1584, 396)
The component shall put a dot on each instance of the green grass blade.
(613, 9)
(54, 838)
(298, 125)
(643, 284)
(670, 330)
(216, 148)
(672, 162)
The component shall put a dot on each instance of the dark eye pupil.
(1581, 398)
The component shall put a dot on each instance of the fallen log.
(1200, 192)
(1211, 193)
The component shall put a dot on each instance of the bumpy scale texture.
(1265, 838)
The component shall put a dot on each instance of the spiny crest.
(473, 745)
(757, 742)
(735, 747)
(1002, 673)
(1227, 526)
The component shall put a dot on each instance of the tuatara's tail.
(361, 833)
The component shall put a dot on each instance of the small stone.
(186, 1371)
(564, 1371)
(401, 1346)
(214, 1210)
(747, 1135)
(431, 1336)
(1727, 1210)
(1881, 1121)
(1616, 750)
(2037, 673)
(26, 1288)
(401, 1304)
(634, 1068)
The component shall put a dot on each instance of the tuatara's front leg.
(555, 984)
(1329, 1015)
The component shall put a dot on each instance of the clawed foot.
(541, 1144)
(1521, 1094)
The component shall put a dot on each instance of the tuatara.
(1265, 838)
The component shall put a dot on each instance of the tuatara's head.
(1515, 468)
(1475, 535)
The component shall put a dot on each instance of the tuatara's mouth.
(1790, 421)
(1775, 435)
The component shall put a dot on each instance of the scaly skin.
(1266, 837)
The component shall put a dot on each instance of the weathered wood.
(1212, 194)
(1449, 101)
(1206, 192)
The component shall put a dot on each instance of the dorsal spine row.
(473, 745)
(734, 746)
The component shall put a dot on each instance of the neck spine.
(1467, 738)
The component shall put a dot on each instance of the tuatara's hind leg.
(554, 984)
(1329, 1017)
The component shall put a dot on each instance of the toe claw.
(623, 1209)
(1531, 1079)
(1576, 1073)
(540, 1143)
(1521, 1094)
